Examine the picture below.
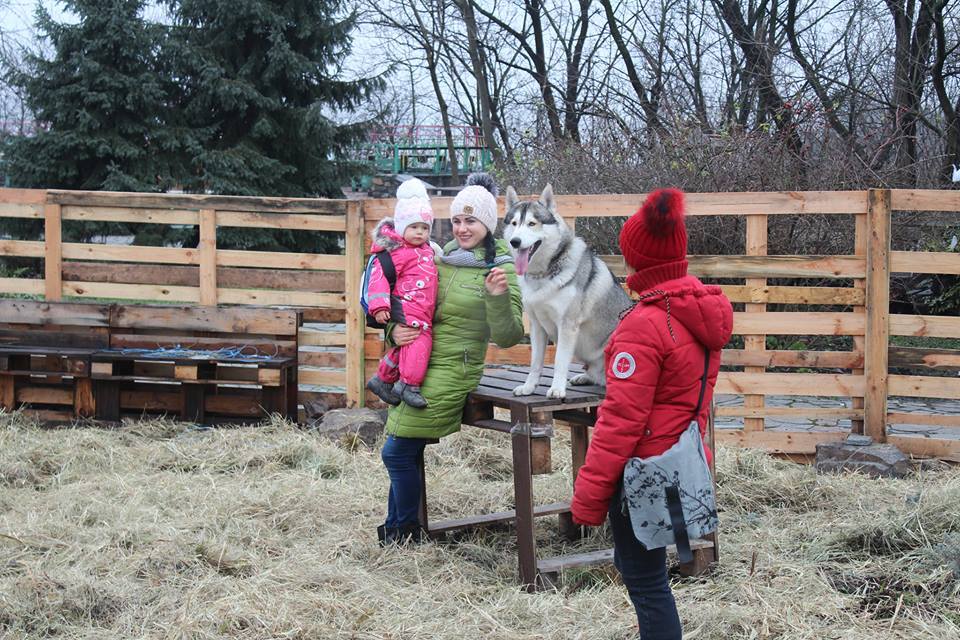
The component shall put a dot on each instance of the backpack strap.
(389, 269)
(703, 382)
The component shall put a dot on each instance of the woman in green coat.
(478, 302)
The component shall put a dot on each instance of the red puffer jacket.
(654, 365)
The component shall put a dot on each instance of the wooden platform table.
(530, 428)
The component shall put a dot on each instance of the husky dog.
(569, 294)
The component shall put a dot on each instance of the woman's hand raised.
(496, 282)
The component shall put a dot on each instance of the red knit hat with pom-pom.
(654, 240)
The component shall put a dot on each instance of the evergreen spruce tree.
(259, 85)
(98, 100)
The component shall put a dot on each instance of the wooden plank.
(265, 346)
(556, 564)
(355, 317)
(52, 258)
(927, 447)
(269, 377)
(791, 384)
(943, 359)
(280, 260)
(764, 266)
(22, 248)
(129, 253)
(860, 247)
(296, 221)
(799, 323)
(697, 204)
(281, 298)
(794, 295)
(328, 359)
(223, 320)
(18, 210)
(924, 200)
(151, 400)
(227, 277)
(928, 326)
(878, 324)
(208, 257)
(925, 262)
(184, 372)
(934, 420)
(790, 412)
(23, 286)
(23, 196)
(323, 377)
(787, 442)
(197, 202)
(924, 387)
(785, 358)
(500, 517)
(756, 245)
(147, 292)
(39, 312)
(129, 214)
(45, 395)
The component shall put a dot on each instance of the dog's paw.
(524, 390)
(581, 379)
(558, 392)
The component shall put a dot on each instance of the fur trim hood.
(385, 237)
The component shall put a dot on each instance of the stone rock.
(877, 460)
(365, 425)
(314, 410)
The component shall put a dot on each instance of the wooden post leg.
(8, 392)
(523, 496)
(579, 441)
(83, 402)
(191, 407)
(106, 398)
(293, 395)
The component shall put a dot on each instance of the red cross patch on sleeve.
(623, 365)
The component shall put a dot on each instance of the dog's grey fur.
(569, 294)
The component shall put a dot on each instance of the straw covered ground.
(154, 531)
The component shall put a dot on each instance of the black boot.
(382, 535)
(384, 390)
(410, 393)
(411, 533)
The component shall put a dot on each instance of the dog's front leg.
(538, 350)
(566, 342)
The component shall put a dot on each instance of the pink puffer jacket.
(413, 300)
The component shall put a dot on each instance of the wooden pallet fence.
(338, 352)
(205, 274)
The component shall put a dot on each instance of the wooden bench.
(45, 350)
(67, 360)
(530, 428)
(204, 364)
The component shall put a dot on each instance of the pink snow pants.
(409, 363)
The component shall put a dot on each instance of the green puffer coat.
(466, 320)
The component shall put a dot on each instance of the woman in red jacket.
(654, 367)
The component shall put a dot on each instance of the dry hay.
(156, 531)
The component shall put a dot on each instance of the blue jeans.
(403, 458)
(644, 574)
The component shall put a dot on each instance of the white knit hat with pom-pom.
(478, 199)
(413, 205)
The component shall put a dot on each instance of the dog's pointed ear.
(512, 198)
(546, 198)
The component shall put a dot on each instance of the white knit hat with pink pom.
(413, 205)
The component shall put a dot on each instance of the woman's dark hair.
(490, 249)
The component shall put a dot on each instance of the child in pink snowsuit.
(407, 238)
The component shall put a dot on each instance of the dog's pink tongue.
(522, 260)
